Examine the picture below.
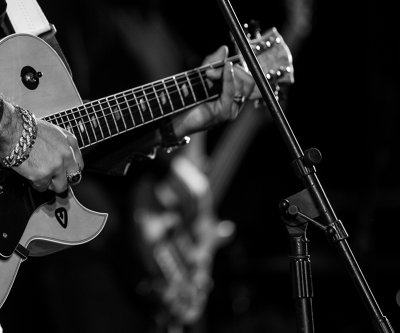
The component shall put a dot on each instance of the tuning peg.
(252, 29)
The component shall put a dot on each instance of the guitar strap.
(26, 16)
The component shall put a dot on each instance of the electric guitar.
(178, 237)
(37, 224)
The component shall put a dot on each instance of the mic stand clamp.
(296, 223)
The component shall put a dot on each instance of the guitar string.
(136, 107)
(98, 135)
(94, 135)
(217, 64)
(113, 128)
(129, 111)
(131, 108)
(196, 71)
(108, 110)
(199, 70)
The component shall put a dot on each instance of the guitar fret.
(199, 89)
(125, 110)
(136, 109)
(148, 103)
(102, 116)
(52, 119)
(118, 115)
(98, 123)
(91, 119)
(63, 122)
(144, 105)
(158, 100)
(174, 94)
(91, 130)
(111, 115)
(191, 87)
(137, 105)
(84, 120)
(75, 128)
(183, 83)
(202, 82)
(179, 91)
(66, 119)
(168, 96)
(108, 117)
(152, 100)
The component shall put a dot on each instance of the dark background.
(344, 102)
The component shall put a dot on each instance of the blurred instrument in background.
(175, 222)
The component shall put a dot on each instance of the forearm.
(10, 128)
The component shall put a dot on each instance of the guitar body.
(42, 223)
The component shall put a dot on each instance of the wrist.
(169, 138)
(10, 128)
(18, 133)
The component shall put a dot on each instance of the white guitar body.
(64, 221)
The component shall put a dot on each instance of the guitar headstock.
(273, 55)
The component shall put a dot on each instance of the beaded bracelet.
(25, 143)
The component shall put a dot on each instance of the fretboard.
(116, 114)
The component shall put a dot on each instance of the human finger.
(58, 184)
(244, 82)
(76, 152)
(41, 185)
(219, 55)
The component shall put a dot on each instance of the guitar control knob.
(30, 77)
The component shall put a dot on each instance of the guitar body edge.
(60, 224)
(63, 222)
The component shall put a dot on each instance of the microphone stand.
(304, 167)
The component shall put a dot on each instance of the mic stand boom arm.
(305, 170)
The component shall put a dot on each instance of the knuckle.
(73, 141)
(61, 188)
(56, 164)
(40, 176)
(65, 153)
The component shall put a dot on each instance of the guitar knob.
(30, 77)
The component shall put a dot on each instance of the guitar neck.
(110, 116)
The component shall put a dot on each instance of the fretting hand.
(237, 83)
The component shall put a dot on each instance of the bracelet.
(169, 140)
(25, 143)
